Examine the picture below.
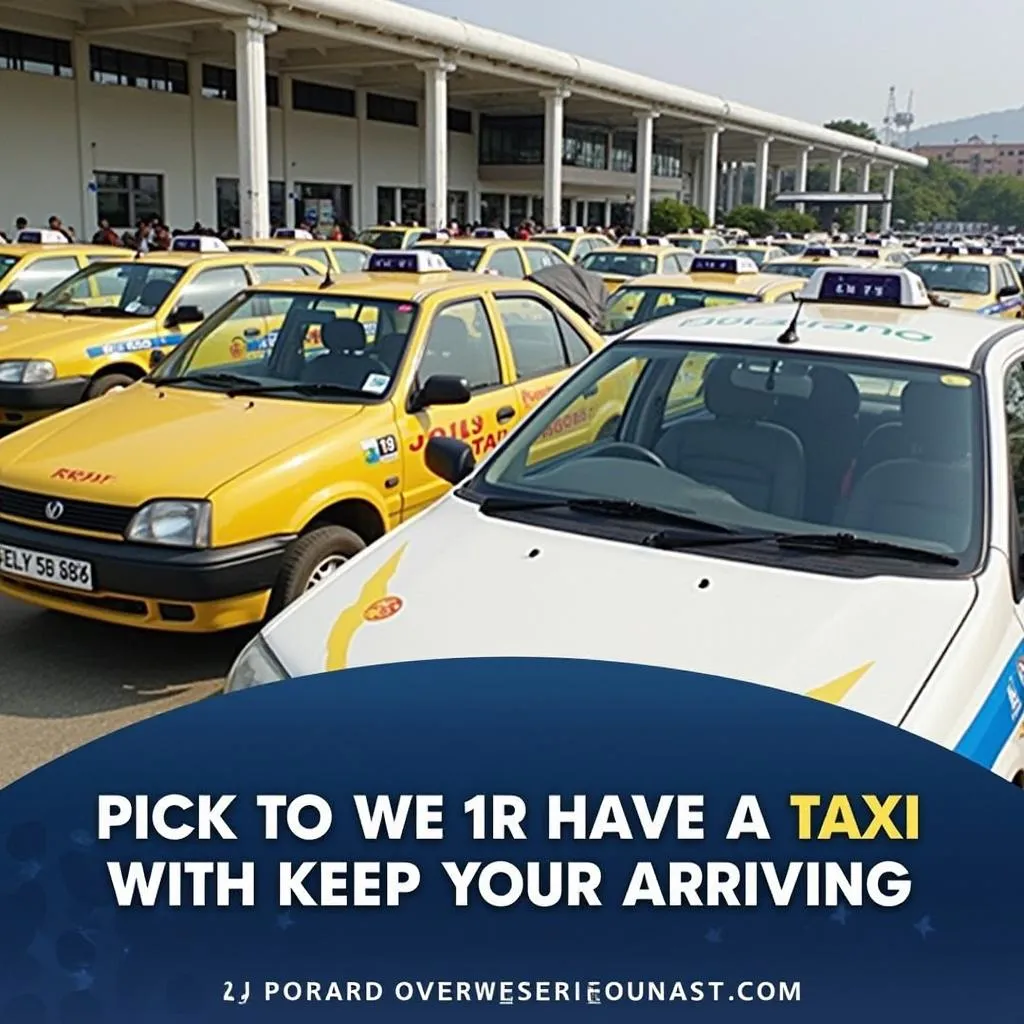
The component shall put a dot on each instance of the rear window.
(628, 264)
(631, 306)
(947, 276)
(558, 241)
(382, 239)
(458, 257)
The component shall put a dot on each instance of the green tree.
(850, 127)
(793, 221)
(698, 218)
(668, 216)
(751, 219)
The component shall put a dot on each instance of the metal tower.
(897, 123)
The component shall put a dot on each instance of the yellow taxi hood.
(28, 335)
(962, 300)
(145, 442)
(454, 583)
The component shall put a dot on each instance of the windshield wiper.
(617, 507)
(111, 311)
(230, 379)
(249, 387)
(832, 543)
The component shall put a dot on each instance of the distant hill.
(1005, 125)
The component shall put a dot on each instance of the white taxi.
(828, 501)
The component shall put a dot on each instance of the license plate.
(37, 565)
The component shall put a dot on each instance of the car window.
(210, 289)
(577, 348)
(43, 274)
(539, 258)
(1014, 405)
(506, 262)
(628, 264)
(533, 335)
(350, 261)
(269, 273)
(949, 276)
(104, 285)
(320, 255)
(460, 343)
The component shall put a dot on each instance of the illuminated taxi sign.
(821, 252)
(978, 250)
(632, 242)
(405, 261)
(722, 265)
(952, 250)
(41, 236)
(298, 234)
(490, 233)
(434, 236)
(198, 243)
(870, 287)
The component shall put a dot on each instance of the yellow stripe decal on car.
(834, 692)
(373, 604)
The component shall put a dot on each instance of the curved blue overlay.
(530, 728)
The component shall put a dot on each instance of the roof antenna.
(789, 335)
(328, 280)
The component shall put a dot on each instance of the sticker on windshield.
(376, 383)
(956, 380)
(380, 449)
(133, 307)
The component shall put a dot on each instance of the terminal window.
(41, 55)
(141, 70)
(323, 99)
(228, 214)
(460, 121)
(222, 84)
(391, 109)
(123, 198)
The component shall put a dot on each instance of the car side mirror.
(440, 389)
(156, 357)
(1006, 291)
(449, 458)
(11, 297)
(185, 315)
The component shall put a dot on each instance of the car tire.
(106, 383)
(312, 554)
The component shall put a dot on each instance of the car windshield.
(351, 261)
(626, 264)
(309, 346)
(381, 239)
(764, 451)
(950, 276)
(458, 257)
(558, 241)
(131, 289)
(631, 306)
(804, 270)
(757, 255)
(846, 250)
(687, 243)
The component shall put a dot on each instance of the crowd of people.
(153, 235)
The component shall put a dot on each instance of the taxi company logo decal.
(373, 596)
(835, 691)
(237, 348)
(383, 609)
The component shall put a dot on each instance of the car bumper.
(158, 588)
(55, 394)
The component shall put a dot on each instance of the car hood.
(33, 335)
(146, 442)
(962, 300)
(456, 584)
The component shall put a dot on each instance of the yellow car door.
(458, 340)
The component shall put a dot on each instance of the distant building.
(978, 157)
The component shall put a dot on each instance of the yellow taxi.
(106, 326)
(39, 260)
(984, 284)
(491, 251)
(573, 242)
(635, 257)
(340, 257)
(717, 280)
(273, 472)
(392, 236)
(886, 255)
(758, 250)
(696, 241)
(807, 263)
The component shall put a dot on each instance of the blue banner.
(532, 840)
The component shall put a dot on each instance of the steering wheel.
(627, 450)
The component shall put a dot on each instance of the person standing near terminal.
(57, 225)
(20, 225)
(105, 234)
(144, 237)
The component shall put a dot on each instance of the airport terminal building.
(235, 113)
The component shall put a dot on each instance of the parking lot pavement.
(65, 681)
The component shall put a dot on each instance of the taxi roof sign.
(633, 242)
(490, 233)
(299, 234)
(722, 265)
(406, 261)
(869, 286)
(41, 236)
(823, 251)
(871, 252)
(952, 250)
(198, 243)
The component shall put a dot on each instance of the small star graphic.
(284, 921)
(714, 935)
(924, 926)
(839, 915)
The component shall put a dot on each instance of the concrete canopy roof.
(377, 44)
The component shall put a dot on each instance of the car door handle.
(592, 393)
(251, 332)
(505, 414)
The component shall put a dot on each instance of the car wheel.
(311, 560)
(107, 383)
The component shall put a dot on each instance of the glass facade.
(139, 70)
(624, 152)
(124, 199)
(227, 204)
(41, 55)
(667, 159)
(585, 147)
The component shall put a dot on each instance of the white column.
(709, 180)
(607, 212)
(836, 182)
(506, 212)
(890, 184)
(761, 172)
(730, 188)
(195, 96)
(696, 162)
(436, 141)
(644, 160)
(86, 151)
(554, 123)
(284, 87)
(860, 224)
(253, 170)
(802, 165)
(778, 180)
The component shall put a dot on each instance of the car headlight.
(27, 371)
(255, 666)
(183, 524)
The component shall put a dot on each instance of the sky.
(812, 59)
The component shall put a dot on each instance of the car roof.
(931, 257)
(461, 242)
(933, 336)
(402, 286)
(741, 284)
(213, 259)
(642, 249)
(284, 244)
(23, 249)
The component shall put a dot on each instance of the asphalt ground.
(65, 681)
